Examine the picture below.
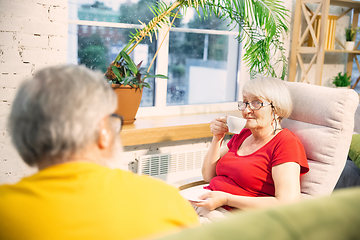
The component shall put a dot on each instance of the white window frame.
(160, 108)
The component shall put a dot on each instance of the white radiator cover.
(172, 167)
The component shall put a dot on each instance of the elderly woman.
(261, 166)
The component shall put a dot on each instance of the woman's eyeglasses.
(254, 105)
(117, 122)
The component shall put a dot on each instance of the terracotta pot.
(128, 101)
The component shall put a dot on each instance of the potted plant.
(128, 80)
(342, 80)
(349, 36)
(260, 22)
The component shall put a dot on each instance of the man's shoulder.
(143, 180)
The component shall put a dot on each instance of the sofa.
(350, 175)
(332, 218)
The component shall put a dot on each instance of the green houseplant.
(128, 80)
(342, 80)
(261, 24)
(128, 73)
(349, 36)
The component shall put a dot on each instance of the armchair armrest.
(189, 182)
(192, 184)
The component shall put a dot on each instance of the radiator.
(172, 167)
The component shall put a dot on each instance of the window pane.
(355, 71)
(96, 47)
(355, 75)
(192, 20)
(134, 10)
(129, 11)
(91, 10)
(202, 68)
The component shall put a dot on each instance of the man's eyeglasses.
(117, 122)
(254, 105)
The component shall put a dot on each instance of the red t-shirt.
(250, 175)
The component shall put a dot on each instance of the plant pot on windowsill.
(128, 81)
(129, 100)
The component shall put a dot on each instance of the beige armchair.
(323, 119)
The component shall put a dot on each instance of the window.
(102, 31)
(355, 70)
(200, 57)
(202, 69)
(93, 29)
(85, 29)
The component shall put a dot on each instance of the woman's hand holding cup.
(218, 127)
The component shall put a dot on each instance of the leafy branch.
(261, 24)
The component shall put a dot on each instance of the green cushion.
(354, 151)
(333, 217)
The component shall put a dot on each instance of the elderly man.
(62, 121)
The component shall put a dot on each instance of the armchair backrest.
(323, 119)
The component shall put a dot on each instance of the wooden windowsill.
(170, 128)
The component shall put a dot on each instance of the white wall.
(33, 34)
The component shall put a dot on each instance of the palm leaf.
(261, 24)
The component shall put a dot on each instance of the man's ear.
(104, 137)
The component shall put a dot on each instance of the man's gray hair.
(57, 112)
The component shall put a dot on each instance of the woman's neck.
(261, 135)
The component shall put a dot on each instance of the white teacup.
(235, 124)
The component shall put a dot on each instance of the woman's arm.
(287, 189)
(218, 128)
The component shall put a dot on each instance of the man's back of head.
(62, 121)
(57, 113)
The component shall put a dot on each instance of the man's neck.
(89, 154)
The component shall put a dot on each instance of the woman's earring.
(275, 127)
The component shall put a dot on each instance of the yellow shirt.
(89, 201)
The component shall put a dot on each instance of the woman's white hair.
(272, 90)
(57, 112)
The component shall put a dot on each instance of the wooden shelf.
(345, 3)
(170, 128)
(319, 27)
(344, 51)
(312, 50)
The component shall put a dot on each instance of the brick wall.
(33, 34)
